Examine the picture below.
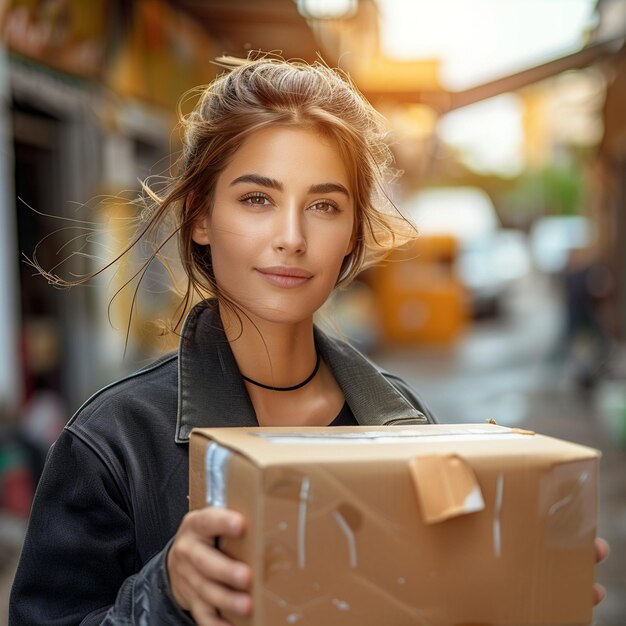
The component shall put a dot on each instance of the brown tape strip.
(446, 487)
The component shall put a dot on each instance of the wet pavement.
(502, 369)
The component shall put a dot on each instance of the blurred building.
(88, 96)
(88, 93)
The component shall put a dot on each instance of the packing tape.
(216, 463)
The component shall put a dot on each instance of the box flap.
(267, 446)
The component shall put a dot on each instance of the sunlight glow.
(479, 40)
(487, 136)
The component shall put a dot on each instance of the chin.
(292, 310)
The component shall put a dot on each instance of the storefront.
(88, 101)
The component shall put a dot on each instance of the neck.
(283, 355)
(275, 354)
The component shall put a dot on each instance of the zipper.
(407, 421)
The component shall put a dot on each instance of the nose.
(289, 236)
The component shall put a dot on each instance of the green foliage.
(552, 190)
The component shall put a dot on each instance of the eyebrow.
(329, 188)
(257, 179)
(271, 183)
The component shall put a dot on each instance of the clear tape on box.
(216, 467)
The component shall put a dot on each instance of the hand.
(602, 552)
(203, 579)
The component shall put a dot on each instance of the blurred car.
(552, 239)
(490, 266)
(490, 259)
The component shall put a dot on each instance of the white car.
(552, 238)
(490, 259)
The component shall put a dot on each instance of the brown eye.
(325, 206)
(256, 199)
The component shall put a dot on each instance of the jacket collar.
(211, 392)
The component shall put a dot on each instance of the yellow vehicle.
(418, 296)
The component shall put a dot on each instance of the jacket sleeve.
(79, 564)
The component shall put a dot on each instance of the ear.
(201, 231)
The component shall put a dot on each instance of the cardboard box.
(435, 525)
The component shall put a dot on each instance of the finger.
(214, 565)
(218, 521)
(599, 593)
(206, 616)
(602, 549)
(224, 599)
(204, 595)
(212, 522)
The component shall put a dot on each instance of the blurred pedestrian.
(42, 419)
(585, 339)
(17, 481)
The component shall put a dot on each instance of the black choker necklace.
(304, 382)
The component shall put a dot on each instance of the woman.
(280, 198)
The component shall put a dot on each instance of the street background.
(508, 126)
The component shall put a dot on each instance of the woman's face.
(281, 224)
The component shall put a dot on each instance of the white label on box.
(402, 436)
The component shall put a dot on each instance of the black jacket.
(115, 485)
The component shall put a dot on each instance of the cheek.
(335, 250)
(347, 239)
(223, 252)
(232, 246)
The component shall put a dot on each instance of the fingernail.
(235, 524)
(599, 593)
(241, 575)
(241, 605)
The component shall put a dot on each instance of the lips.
(286, 277)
